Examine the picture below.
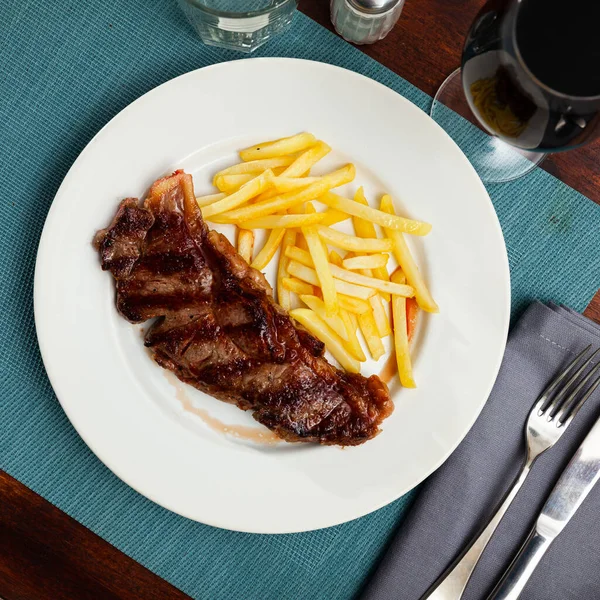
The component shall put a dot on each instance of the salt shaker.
(364, 21)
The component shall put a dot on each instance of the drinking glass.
(242, 25)
(531, 76)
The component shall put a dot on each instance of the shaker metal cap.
(373, 7)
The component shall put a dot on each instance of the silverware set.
(550, 416)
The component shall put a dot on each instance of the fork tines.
(563, 405)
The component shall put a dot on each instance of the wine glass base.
(494, 160)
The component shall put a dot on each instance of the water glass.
(241, 25)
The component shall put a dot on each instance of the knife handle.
(518, 573)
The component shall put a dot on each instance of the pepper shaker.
(364, 21)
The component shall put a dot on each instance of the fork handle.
(451, 585)
(518, 573)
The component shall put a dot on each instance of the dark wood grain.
(425, 47)
(45, 554)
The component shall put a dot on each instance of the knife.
(575, 483)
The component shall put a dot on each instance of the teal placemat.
(66, 68)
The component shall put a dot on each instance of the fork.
(550, 416)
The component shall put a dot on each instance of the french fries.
(367, 325)
(342, 287)
(351, 242)
(381, 319)
(268, 250)
(372, 282)
(318, 306)
(209, 199)
(246, 192)
(302, 256)
(232, 183)
(332, 216)
(283, 294)
(245, 244)
(366, 229)
(319, 258)
(256, 166)
(291, 199)
(353, 305)
(369, 261)
(352, 344)
(290, 184)
(407, 263)
(376, 216)
(400, 336)
(307, 160)
(297, 286)
(277, 148)
(284, 221)
(272, 190)
(300, 166)
(332, 340)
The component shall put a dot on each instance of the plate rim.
(48, 361)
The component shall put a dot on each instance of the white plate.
(131, 413)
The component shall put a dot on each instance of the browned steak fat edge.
(218, 328)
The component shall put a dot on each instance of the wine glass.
(531, 76)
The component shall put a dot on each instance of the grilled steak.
(218, 328)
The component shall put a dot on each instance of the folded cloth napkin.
(458, 497)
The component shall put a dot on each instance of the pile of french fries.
(343, 289)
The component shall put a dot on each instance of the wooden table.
(45, 554)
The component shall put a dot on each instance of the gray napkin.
(455, 500)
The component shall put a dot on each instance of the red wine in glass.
(531, 76)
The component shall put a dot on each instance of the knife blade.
(571, 489)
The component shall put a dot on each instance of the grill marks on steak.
(218, 329)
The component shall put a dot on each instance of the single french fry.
(319, 258)
(369, 261)
(297, 286)
(381, 319)
(283, 294)
(202, 201)
(353, 305)
(371, 282)
(400, 336)
(302, 256)
(407, 263)
(376, 216)
(307, 160)
(245, 193)
(291, 184)
(268, 250)
(352, 343)
(245, 244)
(351, 242)
(292, 199)
(232, 183)
(342, 287)
(284, 221)
(333, 216)
(333, 342)
(335, 321)
(281, 147)
(256, 166)
(368, 327)
(366, 229)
